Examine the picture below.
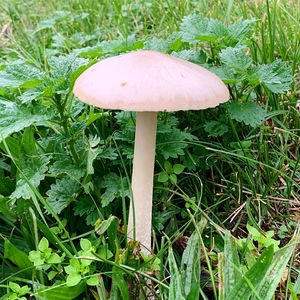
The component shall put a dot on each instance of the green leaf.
(168, 167)
(61, 292)
(54, 258)
(61, 193)
(112, 183)
(175, 282)
(18, 257)
(73, 279)
(14, 287)
(240, 29)
(196, 57)
(248, 112)
(173, 178)
(268, 287)
(253, 278)
(43, 244)
(85, 244)
(119, 281)
(94, 280)
(236, 58)
(216, 128)
(64, 165)
(19, 75)
(227, 74)
(276, 77)
(34, 168)
(15, 117)
(178, 168)
(196, 28)
(232, 271)
(163, 177)
(191, 265)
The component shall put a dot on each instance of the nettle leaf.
(113, 188)
(62, 67)
(20, 75)
(236, 58)
(277, 76)
(15, 117)
(196, 28)
(248, 112)
(173, 42)
(227, 74)
(197, 57)
(61, 193)
(34, 168)
(86, 207)
(64, 165)
(31, 94)
(216, 128)
(240, 29)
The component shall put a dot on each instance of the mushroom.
(148, 81)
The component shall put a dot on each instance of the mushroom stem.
(142, 179)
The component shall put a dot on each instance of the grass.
(61, 175)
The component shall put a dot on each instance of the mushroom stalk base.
(142, 179)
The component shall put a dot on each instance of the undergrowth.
(227, 180)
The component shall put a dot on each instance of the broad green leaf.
(232, 269)
(240, 29)
(276, 77)
(163, 177)
(119, 281)
(18, 257)
(216, 128)
(175, 288)
(60, 292)
(19, 75)
(236, 58)
(54, 259)
(34, 168)
(93, 280)
(253, 278)
(15, 117)
(85, 244)
(227, 74)
(73, 279)
(43, 244)
(191, 265)
(196, 57)
(267, 287)
(14, 287)
(248, 112)
(178, 168)
(112, 184)
(62, 193)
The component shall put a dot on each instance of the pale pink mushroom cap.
(149, 81)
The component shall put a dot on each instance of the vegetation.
(227, 180)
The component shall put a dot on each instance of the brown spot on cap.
(123, 83)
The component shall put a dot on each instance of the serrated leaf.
(236, 58)
(197, 57)
(227, 74)
(34, 168)
(112, 183)
(61, 193)
(64, 165)
(277, 77)
(240, 29)
(216, 128)
(196, 28)
(248, 112)
(19, 75)
(163, 45)
(15, 117)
